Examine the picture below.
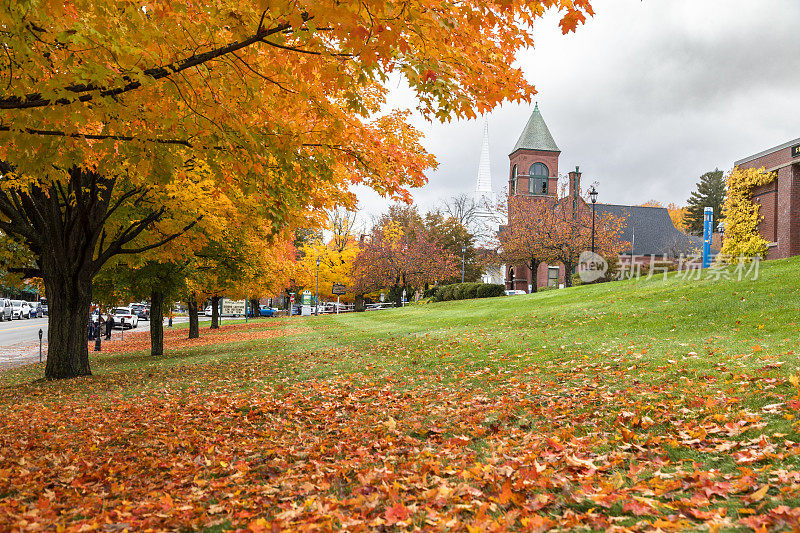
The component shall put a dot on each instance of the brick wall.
(523, 279)
(780, 202)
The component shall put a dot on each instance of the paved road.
(27, 331)
(19, 339)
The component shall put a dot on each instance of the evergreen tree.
(710, 193)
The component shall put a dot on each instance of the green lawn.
(643, 404)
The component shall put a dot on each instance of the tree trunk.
(568, 268)
(63, 226)
(157, 323)
(255, 309)
(215, 312)
(398, 299)
(194, 320)
(359, 303)
(534, 266)
(69, 300)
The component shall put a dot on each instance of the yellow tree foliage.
(336, 266)
(742, 213)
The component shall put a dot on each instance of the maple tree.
(571, 234)
(161, 283)
(336, 259)
(551, 230)
(523, 240)
(401, 254)
(454, 236)
(108, 103)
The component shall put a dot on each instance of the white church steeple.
(483, 187)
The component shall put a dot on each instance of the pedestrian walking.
(109, 325)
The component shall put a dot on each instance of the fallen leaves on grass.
(175, 339)
(368, 452)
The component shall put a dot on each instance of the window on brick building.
(552, 276)
(537, 178)
(514, 180)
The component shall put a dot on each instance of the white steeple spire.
(483, 188)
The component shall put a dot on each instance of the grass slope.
(650, 404)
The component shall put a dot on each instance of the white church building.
(489, 215)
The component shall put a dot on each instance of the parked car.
(141, 311)
(43, 306)
(124, 318)
(266, 310)
(21, 309)
(36, 309)
(6, 309)
(515, 293)
(208, 311)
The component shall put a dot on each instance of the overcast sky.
(645, 97)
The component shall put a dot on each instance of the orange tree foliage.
(107, 103)
(550, 230)
(742, 214)
(401, 254)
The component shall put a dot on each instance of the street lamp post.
(593, 196)
(316, 310)
(463, 260)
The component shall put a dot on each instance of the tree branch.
(161, 242)
(88, 91)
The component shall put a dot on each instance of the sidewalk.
(21, 354)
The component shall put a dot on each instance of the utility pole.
(463, 260)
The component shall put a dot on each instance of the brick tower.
(534, 174)
(534, 160)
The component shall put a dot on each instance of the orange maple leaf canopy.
(134, 121)
(281, 98)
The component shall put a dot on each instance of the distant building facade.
(534, 173)
(779, 200)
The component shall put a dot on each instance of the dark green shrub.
(489, 290)
(446, 293)
(470, 290)
(430, 292)
(458, 291)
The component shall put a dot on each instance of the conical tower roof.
(484, 183)
(536, 135)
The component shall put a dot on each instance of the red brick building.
(779, 200)
(534, 173)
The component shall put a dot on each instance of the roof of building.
(536, 135)
(767, 152)
(651, 232)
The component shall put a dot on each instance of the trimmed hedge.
(490, 290)
(468, 291)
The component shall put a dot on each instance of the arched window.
(537, 178)
(514, 180)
